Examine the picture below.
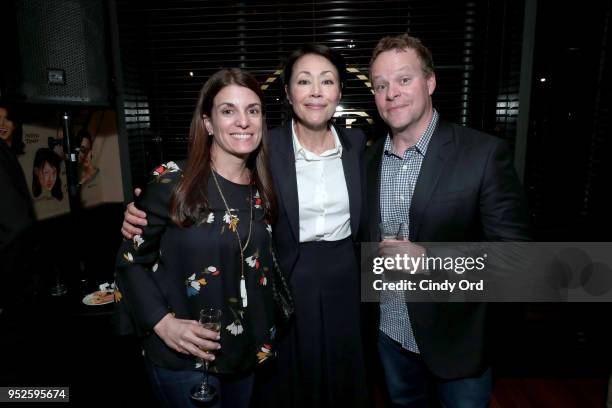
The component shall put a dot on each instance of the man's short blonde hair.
(405, 42)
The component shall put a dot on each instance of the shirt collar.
(301, 153)
(423, 143)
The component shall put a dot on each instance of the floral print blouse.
(169, 269)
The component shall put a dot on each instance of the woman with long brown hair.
(207, 245)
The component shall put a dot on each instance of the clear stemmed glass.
(402, 232)
(393, 231)
(210, 318)
(396, 232)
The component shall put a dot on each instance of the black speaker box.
(58, 52)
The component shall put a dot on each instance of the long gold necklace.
(243, 291)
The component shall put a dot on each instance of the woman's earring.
(210, 133)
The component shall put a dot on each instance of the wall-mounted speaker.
(59, 53)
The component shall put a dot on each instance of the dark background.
(551, 102)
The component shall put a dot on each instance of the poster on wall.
(99, 170)
(45, 171)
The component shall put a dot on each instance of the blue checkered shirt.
(398, 177)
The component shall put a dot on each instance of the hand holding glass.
(393, 231)
(209, 319)
(390, 231)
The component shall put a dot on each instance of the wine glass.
(402, 232)
(397, 232)
(210, 318)
(394, 231)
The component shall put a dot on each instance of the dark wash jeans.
(410, 384)
(172, 388)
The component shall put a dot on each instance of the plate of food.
(99, 297)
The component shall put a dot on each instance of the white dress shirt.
(322, 193)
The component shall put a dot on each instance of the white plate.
(93, 299)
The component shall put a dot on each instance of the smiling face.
(47, 175)
(314, 90)
(402, 91)
(235, 123)
(6, 126)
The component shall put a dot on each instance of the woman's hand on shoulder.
(132, 218)
(162, 178)
(187, 336)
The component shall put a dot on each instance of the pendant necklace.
(243, 292)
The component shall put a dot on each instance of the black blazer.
(282, 164)
(18, 237)
(17, 212)
(467, 190)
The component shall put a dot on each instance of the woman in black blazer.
(316, 169)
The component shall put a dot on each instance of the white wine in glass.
(212, 326)
(393, 231)
(210, 318)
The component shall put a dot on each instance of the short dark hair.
(316, 49)
(405, 42)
